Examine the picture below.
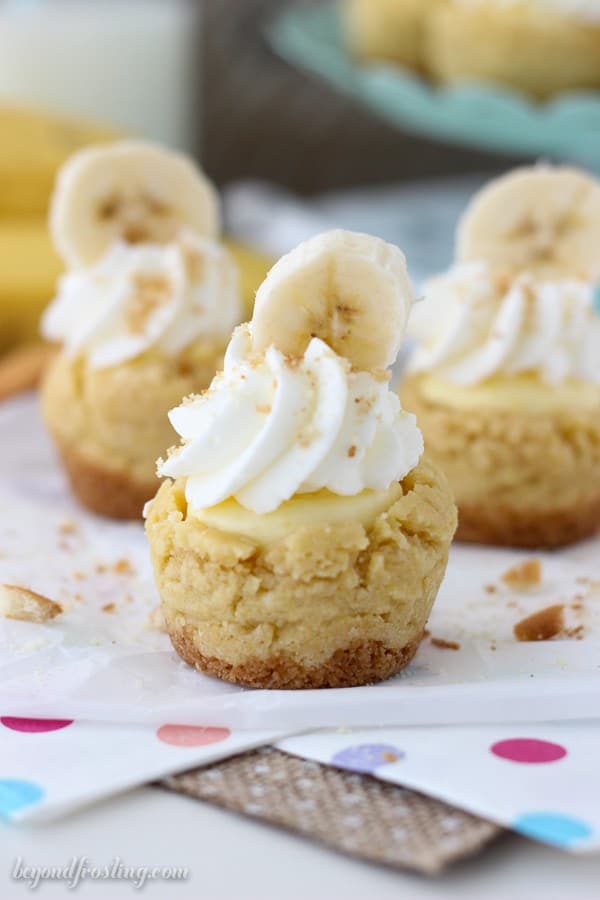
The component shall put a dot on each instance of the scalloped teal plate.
(474, 114)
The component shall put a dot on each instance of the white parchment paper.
(100, 661)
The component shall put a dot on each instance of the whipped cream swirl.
(475, 324)
(144, 296)
(272, 426)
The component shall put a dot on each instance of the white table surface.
(232, 858)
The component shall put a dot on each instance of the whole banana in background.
(33, 146)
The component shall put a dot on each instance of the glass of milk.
(129, 63)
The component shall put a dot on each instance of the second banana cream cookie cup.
(506, 378)
(143, 314)
(302, 539)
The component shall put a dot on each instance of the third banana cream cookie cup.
(143, 314)
(541, 47)
(392, 30)
(303, 539)
(506, 378)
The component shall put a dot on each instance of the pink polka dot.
(191, 735)
(528, 750)
(34, 726)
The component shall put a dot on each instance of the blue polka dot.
(366, 757)
(553, 828)
(597, 299)
(16, 794)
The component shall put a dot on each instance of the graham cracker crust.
(510, 527)
(362, 662)
(105, 491)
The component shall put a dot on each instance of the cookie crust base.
(360, 663)
(107, 492)
(508, 527)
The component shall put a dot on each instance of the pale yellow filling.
(516, 393)
(303, 510)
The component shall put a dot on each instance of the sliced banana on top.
(542, 219)
(351, 290)
(132, 191)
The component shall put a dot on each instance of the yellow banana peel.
(29, 269)
(33, 146)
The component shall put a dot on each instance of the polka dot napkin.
(49, 767)
(540, 780)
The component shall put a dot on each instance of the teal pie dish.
(476, 115)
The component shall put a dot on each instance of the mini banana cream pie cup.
(393, 30)
(142, 316)
(516, 43)
(505, 381)
(300, 537)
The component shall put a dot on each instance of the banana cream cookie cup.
(393, 30)
(303, 539)
(506, 378)
(541, 47)
(143, 314)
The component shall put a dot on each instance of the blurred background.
(267, 119)
(307, 114)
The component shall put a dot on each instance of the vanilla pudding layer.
(523, 393)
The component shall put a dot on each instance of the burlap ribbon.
(355, 814)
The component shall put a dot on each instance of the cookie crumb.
(577, 633)
(525, 575)
(20, 603)
(123, 567)
(490, 589)
(67, 527)
(109, 608)
(542, 625)
(445, 645)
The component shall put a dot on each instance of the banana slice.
(542, 219)
(351, 290)
(132, 191)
